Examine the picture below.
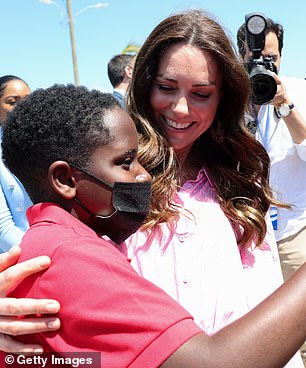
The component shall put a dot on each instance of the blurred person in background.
(120, 69)
(14, 201)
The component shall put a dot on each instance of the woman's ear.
(61, 179)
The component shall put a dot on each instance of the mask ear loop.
(84, 208)
(91, 213)
(109, 186)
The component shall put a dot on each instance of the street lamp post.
(71, 29)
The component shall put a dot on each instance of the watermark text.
(47, 360)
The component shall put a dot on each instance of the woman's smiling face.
(185, 95)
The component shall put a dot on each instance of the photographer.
(279, 124)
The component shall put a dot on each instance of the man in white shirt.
(281, 128)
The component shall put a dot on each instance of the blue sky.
(35, 41)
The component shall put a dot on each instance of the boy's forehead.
(123, 134)
(119, 122)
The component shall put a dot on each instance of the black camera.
(260, 68)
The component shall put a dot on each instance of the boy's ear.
(61, 179)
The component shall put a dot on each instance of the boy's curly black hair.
(56, 123)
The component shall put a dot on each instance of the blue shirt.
(119, 97)
(14, 201)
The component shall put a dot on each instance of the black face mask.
(132, 204)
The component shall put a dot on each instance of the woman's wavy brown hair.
(239, 166)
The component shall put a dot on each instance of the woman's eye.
(164, 87)
(201, 95)
(12, 103)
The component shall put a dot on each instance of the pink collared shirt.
(199, 263)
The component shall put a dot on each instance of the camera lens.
(263, 84)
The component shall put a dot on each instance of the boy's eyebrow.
(132, 151)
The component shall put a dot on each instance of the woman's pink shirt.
(199, 263)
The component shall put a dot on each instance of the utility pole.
(73, 48)
(68, 14)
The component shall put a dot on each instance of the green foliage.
(131, 49)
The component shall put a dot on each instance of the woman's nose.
(181, 106)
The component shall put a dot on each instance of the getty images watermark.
(48, 360)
